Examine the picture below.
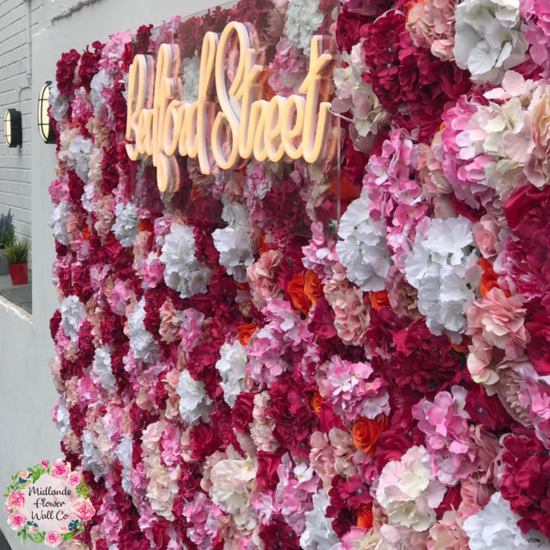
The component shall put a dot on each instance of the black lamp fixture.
(13, 129)
(45, 128)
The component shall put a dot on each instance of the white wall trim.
(11, 308)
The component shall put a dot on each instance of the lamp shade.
(13, 129)
(45, 128)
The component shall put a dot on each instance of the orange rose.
(379, 299)
(296, 290)
(86, 233)
(364, 516)
(463, 346)
(313, 287)
(316, 403)
(245, 332)
(489, 279)
(366, 433)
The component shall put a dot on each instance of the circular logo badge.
(48, 503)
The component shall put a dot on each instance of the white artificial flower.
(488, 38)
(363, 250)
(303, 19)
(59, 104)
(62, 417)
(232, 483)
(353, 93)
(194, 403)
(183, 273)
(234, 242)
(407, 491)
(80, 150)
(190, 76)
(102, 368)
(496, 527)
(319, 534)
(124, 455)
(141, 341)
(58, 222)
(442, 266)
(101, 80)
(232, 368)
(73, 313)
(91, 459)
(126, 226)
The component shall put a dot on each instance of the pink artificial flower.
(486, 236)
(45, 464)
(497, 321)
(7, 511)
(17, 521)
(16, 500)
(60, 470)
(83, 509)
(53, 538)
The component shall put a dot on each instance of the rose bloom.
(60, 470)
(45, 463)
(17, 521)
(53, 538)
(16, 500)
(83, 509)
(313, 288)
(296, 290)
(74, 479)
(366, 433)
(245, 332)
(486, 236)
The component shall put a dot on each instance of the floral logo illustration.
(48, 503)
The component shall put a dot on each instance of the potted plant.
(7, 236)
(17, 254)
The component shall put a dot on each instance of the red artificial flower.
(526, 481)
(538, 349)
(65, 74)
(241, 413)
(410, 82)
(297, 294)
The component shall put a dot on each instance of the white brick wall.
(15, 164)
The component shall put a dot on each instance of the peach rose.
(486, 236)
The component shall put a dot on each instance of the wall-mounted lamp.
(13, 129)
(45, 128)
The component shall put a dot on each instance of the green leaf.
(68, 536)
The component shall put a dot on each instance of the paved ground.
(19, 295)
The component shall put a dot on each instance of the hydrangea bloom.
(126, 226)
(445, 423)
(443, 268)
(232, 368)
(407, 491)
(496, 527)
(363, 250)
(183, 272)
(303, 18)
(353, 390)
(194, 403)
(489, 39)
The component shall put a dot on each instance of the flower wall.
(239, 369)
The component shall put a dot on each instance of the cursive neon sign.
(236, 127)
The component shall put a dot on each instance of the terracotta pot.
(19, 274)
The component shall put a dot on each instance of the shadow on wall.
(3, 542)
